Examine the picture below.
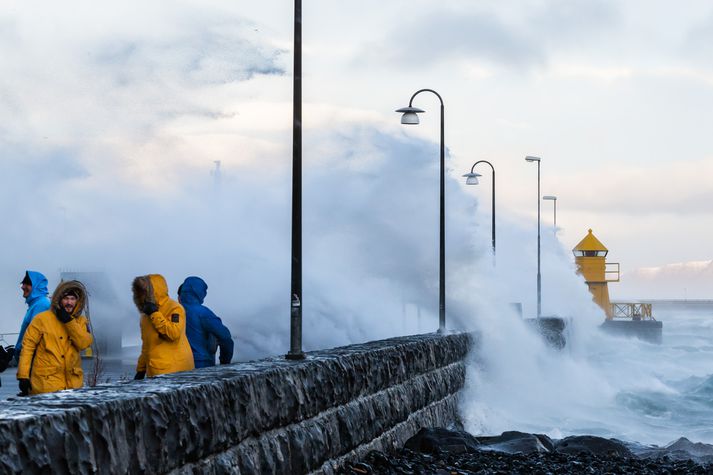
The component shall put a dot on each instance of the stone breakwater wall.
(268, 416)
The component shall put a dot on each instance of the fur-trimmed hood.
(65, 286)
(150, 288)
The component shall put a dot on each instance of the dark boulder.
(514, 442)
(435, 439)
(695, 450)
(681, 449)
(590, 444)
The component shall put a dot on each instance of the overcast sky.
(616, 97)
(111, 117)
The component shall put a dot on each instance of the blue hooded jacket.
(37, 302)
(203, 327)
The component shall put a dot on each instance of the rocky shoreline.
(445, 452)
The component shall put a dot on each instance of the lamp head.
(549, 198)
(530, 158)
(410, 115)
(471, 178)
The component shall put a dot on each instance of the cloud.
(209, 52)
(522, 39)
(567, 23)
(681, 280)
(697, 45)
(446, 35)
(678, 187)
(116, 79)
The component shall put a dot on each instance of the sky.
(112, 116)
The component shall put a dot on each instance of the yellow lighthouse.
(590, 257)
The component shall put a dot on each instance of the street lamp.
(539, 275)
(553, 199)
(472, 179)
(410, 117)
(296, 261)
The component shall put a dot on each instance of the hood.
(193, 290)
(39, 285)
(65, 286)
(150, 288)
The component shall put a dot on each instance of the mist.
(109, 170)
(370, 239)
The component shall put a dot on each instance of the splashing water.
(599, 385)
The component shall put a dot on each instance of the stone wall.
(269, 416)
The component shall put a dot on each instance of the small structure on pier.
(627, 318)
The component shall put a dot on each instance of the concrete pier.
(268, 416)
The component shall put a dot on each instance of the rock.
(514, 442)
(522, 453)
(433, 440)
(681, 449)
(693, 449)
(594, 445)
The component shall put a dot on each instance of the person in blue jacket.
(34, 289)
(205, 331)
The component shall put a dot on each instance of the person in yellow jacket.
(164, 346)
(49, 358)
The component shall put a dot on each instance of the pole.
(442, 220)
(492, 225)
(539, 275)
(555, 217)
(442, 255)
(296, 267)
(492, 217)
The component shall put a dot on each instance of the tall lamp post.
(296, 266)
(410, 117)
(472, 179)
(539, 275)
(553, 199)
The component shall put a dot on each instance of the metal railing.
(631, 311)
(611, 268)
(5, 342)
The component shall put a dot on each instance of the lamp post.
(553, 199)
(472, 179)
(410, 117)
(295, 352)
(539, 275)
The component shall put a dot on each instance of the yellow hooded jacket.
(50, 356)
(164, 346)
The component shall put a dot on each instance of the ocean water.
(599, 385)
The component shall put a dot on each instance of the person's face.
(26, 290)
(68, 303)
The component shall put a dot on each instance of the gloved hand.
(5, 358)
(63, 315)
(148, 308)
(10, 349)
(140, 375)
(24, 387)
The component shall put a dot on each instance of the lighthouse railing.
(632, 311)
(610, 269)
